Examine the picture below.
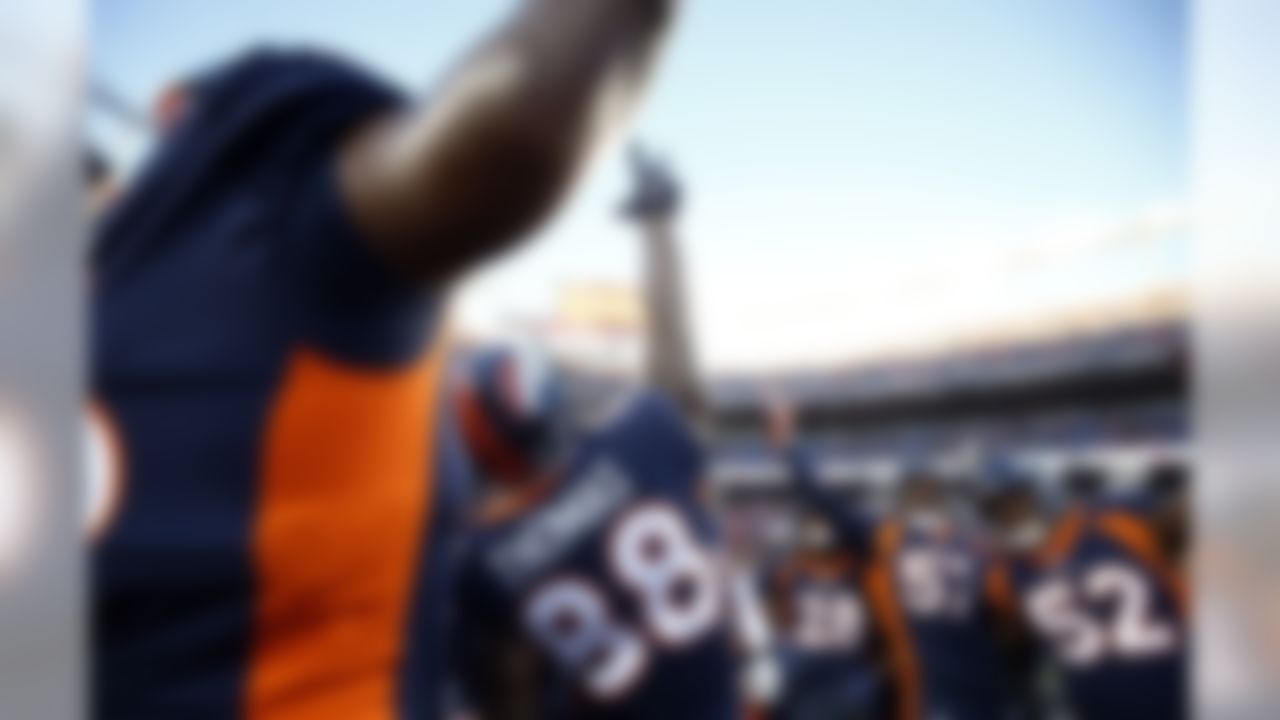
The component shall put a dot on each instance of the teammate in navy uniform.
(927, 580)
(828, 635)
(597, 562)
(611, 576)
(939, 569)
(269, 303)
(1099, 597)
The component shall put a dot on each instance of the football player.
(1097, 595)
(592, 586)
(828, 635)
(927, 578)
(268, 355)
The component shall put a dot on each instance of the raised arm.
(491, 153)
(855, 531)
(671, 365)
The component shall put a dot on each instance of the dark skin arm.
(498, 145)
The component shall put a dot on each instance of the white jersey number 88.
(676, 585)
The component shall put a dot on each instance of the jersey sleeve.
(277, 120)
(246, 181)
(856, 531)
(270, 122)
(351, 303)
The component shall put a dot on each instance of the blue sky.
(862, 174)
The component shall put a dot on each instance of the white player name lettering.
(603, 490)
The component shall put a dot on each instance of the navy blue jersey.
(829, 637)
(1104, 604)
(930, 591)
(612, 577)
(937, 582)
(278, 500)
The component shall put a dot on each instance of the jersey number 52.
(1067, 613)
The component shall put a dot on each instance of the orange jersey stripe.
(347, 493)
(1063, 538)
(908, 683)
(999, 593)
(1137, 537)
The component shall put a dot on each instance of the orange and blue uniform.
(1102, 601)
(285, 473)
(930, 593)
(945, 639)
(610, 574)
(830, 638)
